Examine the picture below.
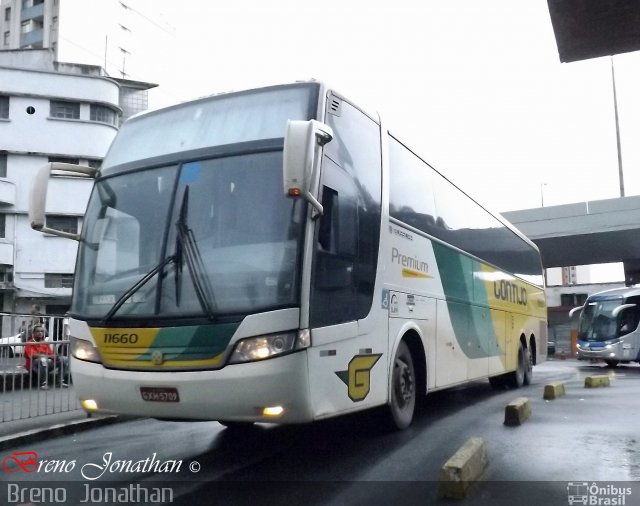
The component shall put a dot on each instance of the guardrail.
(43, 389)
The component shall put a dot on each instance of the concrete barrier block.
(463, 469)
(517, 411)
(600, 380)
(553, 390)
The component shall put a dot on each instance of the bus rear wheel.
(528, 370)
(517, 377)
(402, 401)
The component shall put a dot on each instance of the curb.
(56, 431)
(517, 411)
(464, 468)
(599, 380)
(553, 390)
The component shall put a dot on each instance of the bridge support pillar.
(632, 271)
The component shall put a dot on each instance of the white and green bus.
(276, 255)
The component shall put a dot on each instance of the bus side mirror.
(38, 197)
(574, 310)
(303, 142)
(617, 310)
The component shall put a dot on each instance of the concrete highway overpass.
(594, 232)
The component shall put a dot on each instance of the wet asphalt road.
(588, 436)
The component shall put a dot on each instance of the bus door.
(347, 361)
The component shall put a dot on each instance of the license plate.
(159, 394)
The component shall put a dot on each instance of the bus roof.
(616, 293)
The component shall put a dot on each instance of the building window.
(25, 26)
(3, 165)
(64, 159)
(103, 114)
(4, 107)
(95, 164)
(7, 35)
(573, 299)
(7, 14)
(3, 224)
(58, 280)
(6, 273)
(64, 223)
(62, 109)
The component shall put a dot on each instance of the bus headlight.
(84, 350)
(263, 347)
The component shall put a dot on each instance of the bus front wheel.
(402, 401)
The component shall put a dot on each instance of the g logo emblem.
(358, 376)
(157, 358)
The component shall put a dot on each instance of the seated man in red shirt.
(40, 360)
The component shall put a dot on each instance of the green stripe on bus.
(472, 325)
(193, 343)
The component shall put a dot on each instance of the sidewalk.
(28, 414)
(39, 428)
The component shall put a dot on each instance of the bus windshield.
(221, 233)
(188, 218)
(597, 322)
(214, 121)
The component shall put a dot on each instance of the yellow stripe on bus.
(409, 273)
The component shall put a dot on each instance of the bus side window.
(347, 242)
(630, 318)
(338, 225)
(337, 232)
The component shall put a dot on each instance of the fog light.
(89, 404)
(273, 411)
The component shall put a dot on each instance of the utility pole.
(615, 108)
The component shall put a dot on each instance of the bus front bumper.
(239, 392)
(616, 351)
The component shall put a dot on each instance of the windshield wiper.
(139, 284)
(187, 247)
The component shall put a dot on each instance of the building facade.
(50, 112)
(113, 34)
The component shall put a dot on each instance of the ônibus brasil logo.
(594, 494)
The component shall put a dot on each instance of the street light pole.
(615, 108)
(542, 185)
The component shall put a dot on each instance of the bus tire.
(516, 378)
(402, 398)
(528, 370)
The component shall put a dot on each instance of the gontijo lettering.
(414, 266)
(510, 292)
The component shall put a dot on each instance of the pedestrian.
(41, 360)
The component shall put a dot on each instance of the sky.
(474, 87)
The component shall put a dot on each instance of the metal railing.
(44, 388)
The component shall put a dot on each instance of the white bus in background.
(204, 291)
(608, 326)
